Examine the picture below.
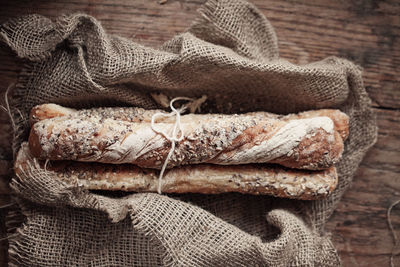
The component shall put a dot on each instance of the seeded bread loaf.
(202, 178)
(114, 135)
(135, 114)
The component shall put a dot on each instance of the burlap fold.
(230, 53)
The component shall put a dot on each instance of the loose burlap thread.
(230, 54)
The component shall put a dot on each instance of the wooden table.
(365, 31)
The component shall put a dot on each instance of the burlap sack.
(230, 54)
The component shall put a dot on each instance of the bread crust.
(130, 114)
(203, 178)
(135, 114)
(124, 135)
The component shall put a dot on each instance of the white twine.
(177, 131)
(395, 238)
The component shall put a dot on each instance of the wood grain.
(359, 225)
(365, 31)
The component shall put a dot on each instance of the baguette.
(135, 114)
(115, 135)
(203, 178)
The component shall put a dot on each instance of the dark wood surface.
(365, 31)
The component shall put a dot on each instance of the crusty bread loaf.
(115, 135)
(135, 114)
(203, 178)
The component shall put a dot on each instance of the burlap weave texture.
(230, 53)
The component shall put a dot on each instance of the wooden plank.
(4, 200)
(5, 175)
(366, 32)
(307, 31)
(359, 225)
(313, 30)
